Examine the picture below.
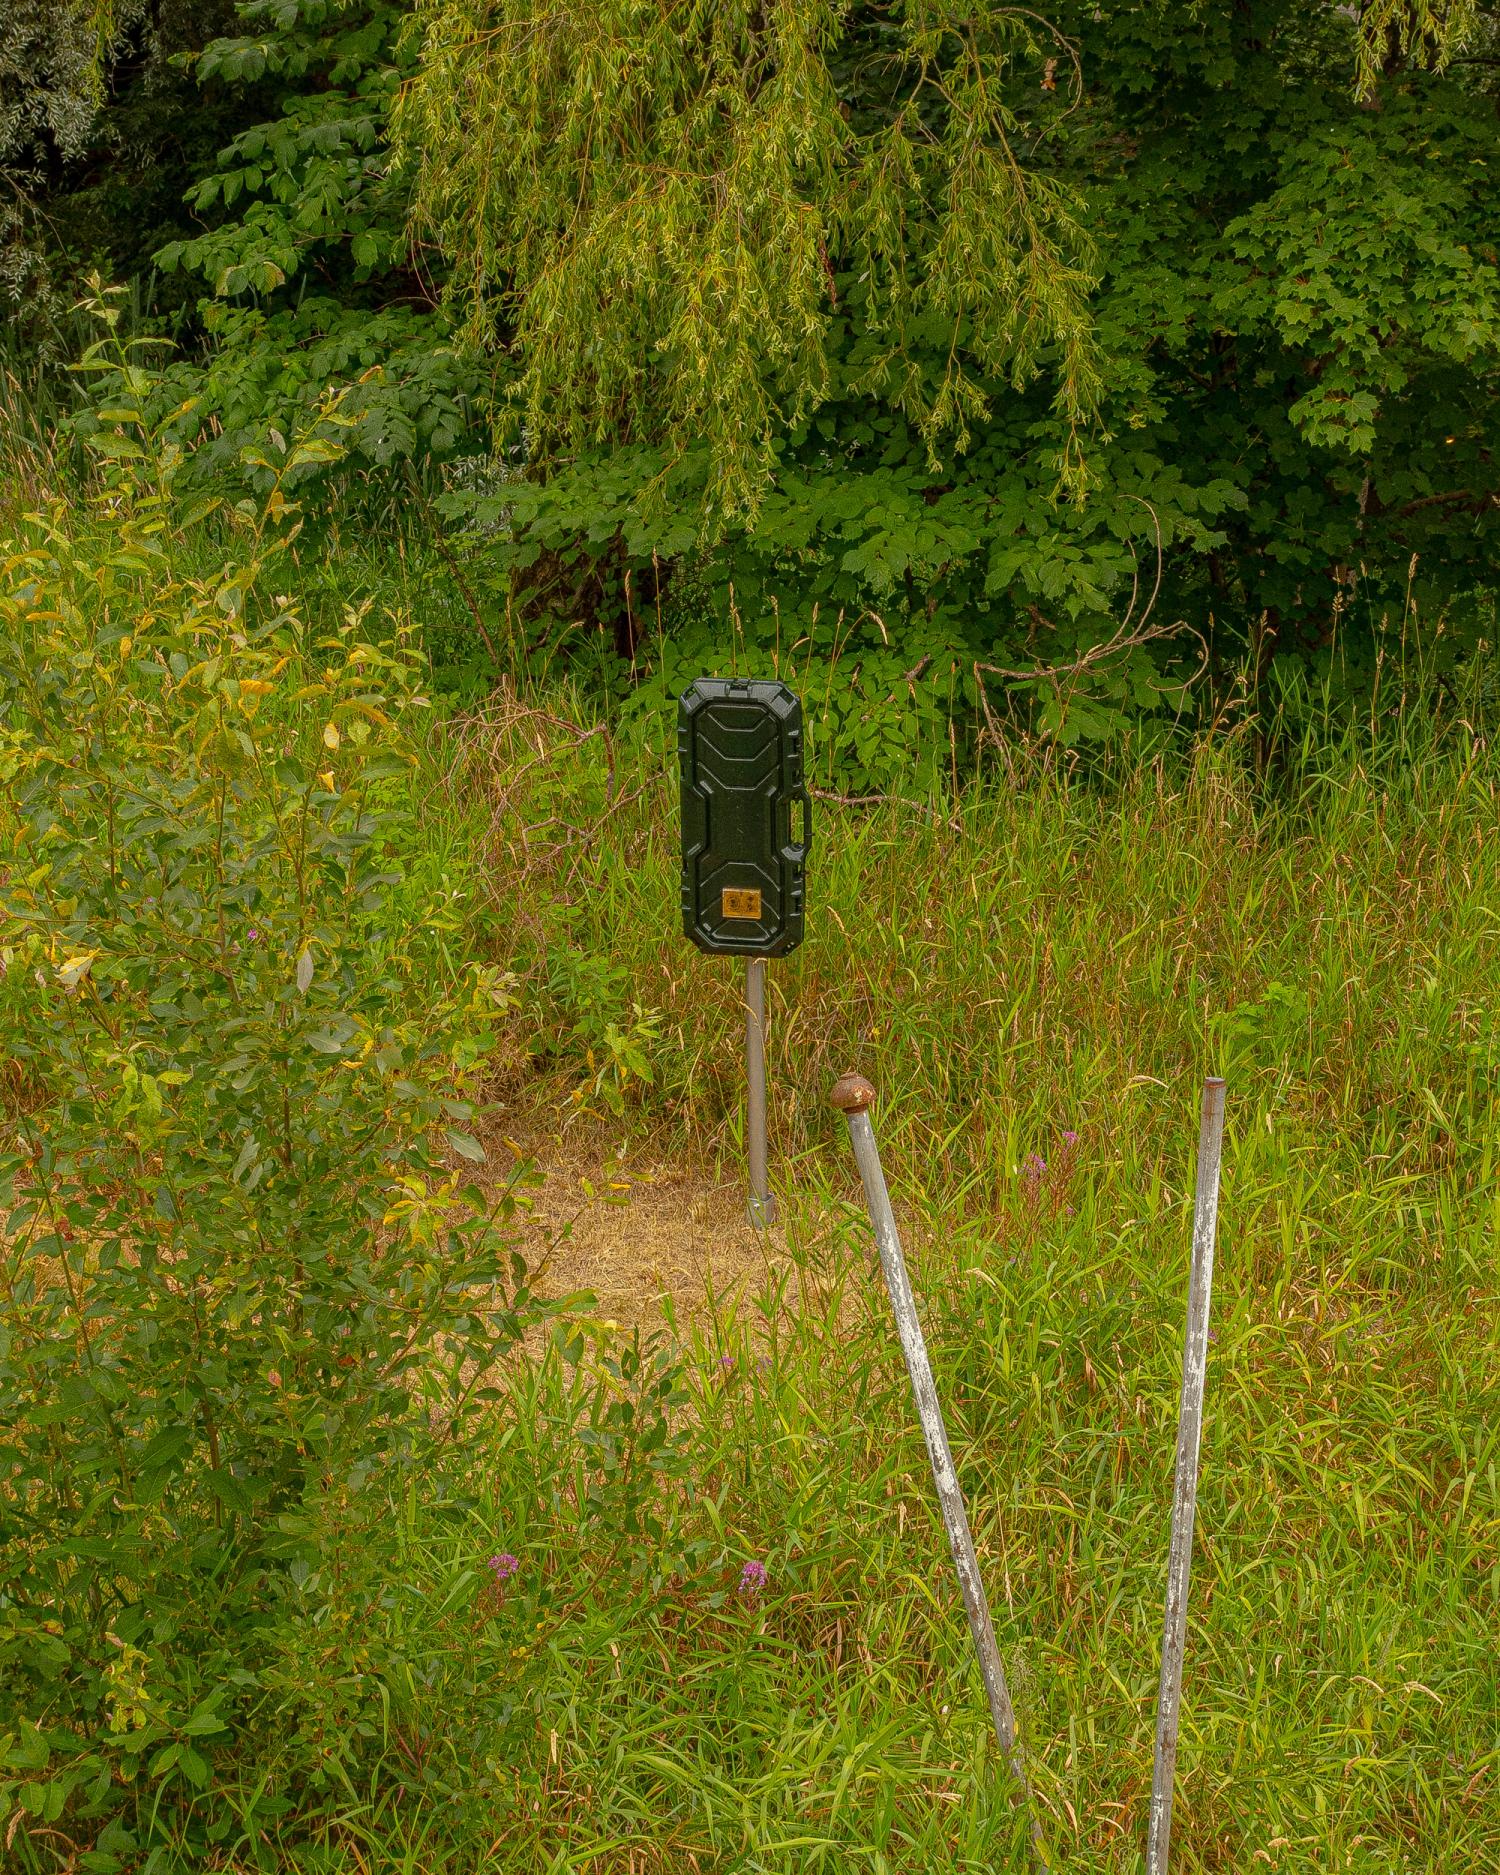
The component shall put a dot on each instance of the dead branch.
(885, 800)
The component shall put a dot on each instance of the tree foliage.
(676, 214)
(1295, 320)
(302, 246)
(833, 306)
(1424, 34)
(100, 133)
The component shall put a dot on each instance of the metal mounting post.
(762, 1204)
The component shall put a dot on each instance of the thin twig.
(452, 564)
(1478, 502)
(884, 800)
(1124, 639)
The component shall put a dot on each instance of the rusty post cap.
(852, 1093)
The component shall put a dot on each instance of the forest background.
(935, 336)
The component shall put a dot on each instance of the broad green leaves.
(1369, 256)
(305, 253)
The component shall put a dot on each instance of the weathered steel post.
(852, 1096)
(762, 1204)
(1185, 1494)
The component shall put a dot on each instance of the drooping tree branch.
(652, 209)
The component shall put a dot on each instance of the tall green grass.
(1015, 967)
(625, 1706)
(1059, 956)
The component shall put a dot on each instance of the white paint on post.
(762, 1204)
(1185, 1494)
(852, 1096)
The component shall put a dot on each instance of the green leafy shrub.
(301, 244)
(615, 1035)
(914, 611)
(240, 1276)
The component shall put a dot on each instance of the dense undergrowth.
(273, 926)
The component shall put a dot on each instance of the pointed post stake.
(852, 1096)
(1185, 1494)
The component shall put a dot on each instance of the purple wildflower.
(504, 1565)
(752, 1578)
(1070, 1138)
(726, 1361)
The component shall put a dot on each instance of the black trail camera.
(743, 858)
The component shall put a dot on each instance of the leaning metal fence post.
(762, 1204)
(852, 1096)
(1185, 1494)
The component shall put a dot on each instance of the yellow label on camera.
(738, 902)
